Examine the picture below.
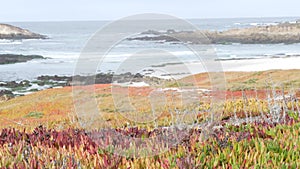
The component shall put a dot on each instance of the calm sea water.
(67, 40)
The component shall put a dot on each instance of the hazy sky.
(61, 10)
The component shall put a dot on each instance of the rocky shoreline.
(15, 33)
(12, 89)
(286, 33)
(13, 58)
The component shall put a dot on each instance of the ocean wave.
(265, 56)
(61, 55)
(120, 57)
(17, 42)
(263, 24)
(282, 55)
(237, 58)
(10, 42)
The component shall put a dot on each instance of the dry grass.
(54, 108)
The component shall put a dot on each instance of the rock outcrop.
(5, 95)
(16, 33)
(12, 58)
(282, 33)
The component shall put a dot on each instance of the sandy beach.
(182, 70)
(261, 64)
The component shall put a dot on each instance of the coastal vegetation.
(256, 124)
(254, 128)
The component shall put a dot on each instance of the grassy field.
(256, 126)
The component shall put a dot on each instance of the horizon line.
(109, 20)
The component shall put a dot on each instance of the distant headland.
(286, 33)
(15, 33)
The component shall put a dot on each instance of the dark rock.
(5, 92)
(6, 95)
(165, 38)
(100, 78)
(54, 78)
(12, 58)
(40, 83)
(170, 31)
(14, 84)
(25, 83)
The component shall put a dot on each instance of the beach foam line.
(235, 65)
(262, 64)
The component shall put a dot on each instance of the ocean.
(68, 39)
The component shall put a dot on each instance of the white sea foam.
(68, 39)
(9, 42)
(262, 24)
(133, 84)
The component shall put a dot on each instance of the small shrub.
(35, 115)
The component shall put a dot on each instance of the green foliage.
(34, 115)
(293, 114)
(251, 81)
(275, 147)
